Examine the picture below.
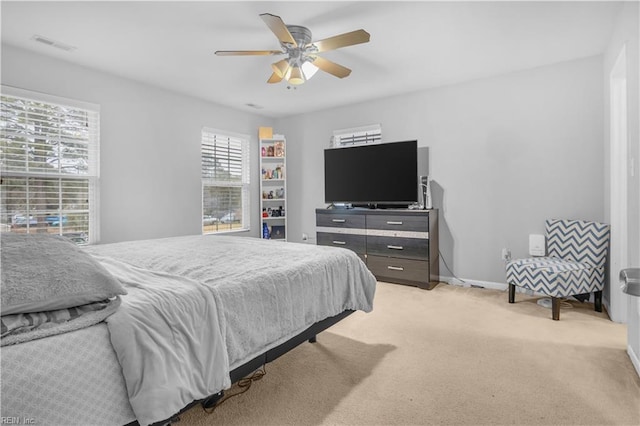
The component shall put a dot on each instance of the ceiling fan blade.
(342, 40)
(247, 52)
(277, 26)
(275, 78)
(331, 67)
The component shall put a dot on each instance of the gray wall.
(150, 145)
(505, 153)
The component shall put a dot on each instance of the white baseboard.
(474, 283)
(468, 282)
(634, 359)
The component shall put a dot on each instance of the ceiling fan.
(302, 59)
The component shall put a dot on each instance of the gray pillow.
(42, 272)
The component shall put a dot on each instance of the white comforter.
(199, 306)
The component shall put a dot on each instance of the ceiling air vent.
(53, 43)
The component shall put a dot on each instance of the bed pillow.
(42, 272)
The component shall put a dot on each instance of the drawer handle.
(340, 243)
(392, 222)
(395, 247)
(338, 220)
(395, 268)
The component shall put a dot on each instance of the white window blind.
(225, 181)
(49, 165)
(356, 136)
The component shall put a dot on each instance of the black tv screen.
(372, 174)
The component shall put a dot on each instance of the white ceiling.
(414, 45)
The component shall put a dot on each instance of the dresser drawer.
(398, 222)
(353, 242)
(409, 248)
(340, 220)
(407, 271)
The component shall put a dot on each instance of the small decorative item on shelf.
(279, 149)
(277, 232)
(270, 151)
(264, 151)
(265, 231)
(280, 212)
(270, 195)
(269, 212)
(280, 193)
(264, 213)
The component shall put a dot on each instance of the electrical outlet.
(506, 254)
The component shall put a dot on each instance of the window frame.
(91, 176)
(209, 134)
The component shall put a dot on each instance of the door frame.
(618, 172)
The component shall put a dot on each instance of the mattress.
(45, 383)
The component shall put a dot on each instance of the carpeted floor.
(451, 355)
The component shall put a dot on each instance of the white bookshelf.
(273, 187)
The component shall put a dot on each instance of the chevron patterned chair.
(575, 263)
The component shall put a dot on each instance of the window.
(356, 136)
(225, 182)
(49, 165)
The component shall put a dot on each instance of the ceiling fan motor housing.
(302, 35)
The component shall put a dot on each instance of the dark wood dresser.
(398, 245)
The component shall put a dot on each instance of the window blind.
(225, 181)
(49, 149)
(357, 136)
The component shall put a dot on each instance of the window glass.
(225, 182)
(49, 166)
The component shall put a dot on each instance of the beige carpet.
(452, 355)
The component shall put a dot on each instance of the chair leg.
(597, 299)
(512, 293)
(555, 308)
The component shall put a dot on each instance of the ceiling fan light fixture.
(281, 67)
(295, 76)
(302, 61)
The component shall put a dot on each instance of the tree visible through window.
(48, 165)
(225, 181)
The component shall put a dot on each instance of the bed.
(199, 313)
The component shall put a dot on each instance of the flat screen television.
(377, 175)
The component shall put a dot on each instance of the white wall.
(150, 145)
(505, 154)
